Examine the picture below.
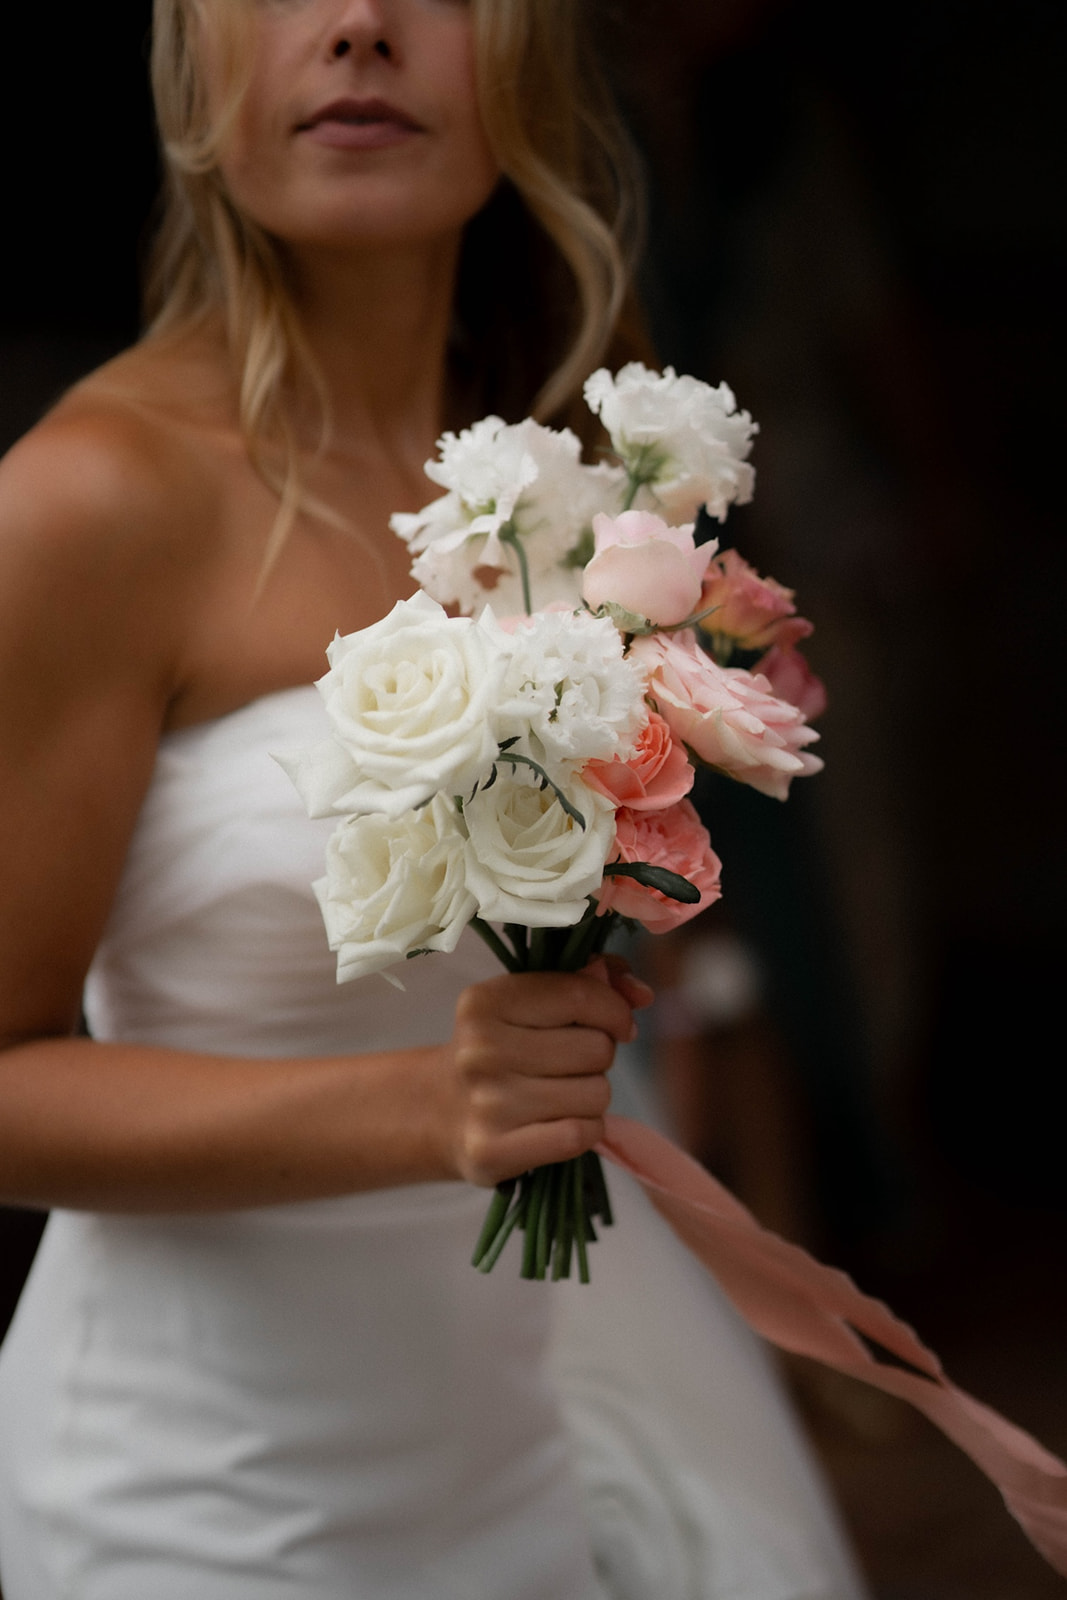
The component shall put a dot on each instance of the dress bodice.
(215, 941)
(324, 1398)
(312, 1398)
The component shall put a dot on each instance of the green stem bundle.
(554, 1207)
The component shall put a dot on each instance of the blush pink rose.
(792, 679)
(748, 608)
(646, 567)
(676, 839)
(658, 773)
(729, 718)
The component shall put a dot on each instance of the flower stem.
(515, 1216)
(587, 938)
(561, 1258)
(553, 1205)
(581, 1223)
(535, 1206)
(509, 535)
(494, 1219)
(546, 1221)
(497, 945)
(595, 1182)
(538, 949)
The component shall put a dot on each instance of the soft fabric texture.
(324, 1399)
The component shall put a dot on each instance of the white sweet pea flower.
(410, 702)
(524, 482)
(530, 861)
(488, 466)
(394, 885)
(568, 691)
(683, 443)
(454, 573)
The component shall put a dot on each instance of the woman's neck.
(377, 325)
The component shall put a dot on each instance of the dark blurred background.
(855, 218)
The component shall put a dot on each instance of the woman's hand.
(525, 1079)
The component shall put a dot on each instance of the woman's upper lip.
(350, 109)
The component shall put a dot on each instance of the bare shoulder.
(107, 509)
(105, 527)
(111, 461)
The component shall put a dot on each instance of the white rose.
(529, 861)
(568, 691)
(683, 441)
(393, 885)
(410, 701)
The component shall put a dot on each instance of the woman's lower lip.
(374, 135)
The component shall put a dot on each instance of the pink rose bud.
(645, 566)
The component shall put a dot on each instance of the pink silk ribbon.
(817, 1311)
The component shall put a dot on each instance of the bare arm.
(127, 1128)
(92, 598)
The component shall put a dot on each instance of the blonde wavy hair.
(563, 219)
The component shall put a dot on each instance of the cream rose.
(393, 885)
(529, 861)
(410, 702)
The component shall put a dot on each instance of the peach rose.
(748, 608)
(646, 567)
(658, 773)
(674, 838)
(729, 718)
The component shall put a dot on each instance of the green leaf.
(672, 884)
(626, 621)
(516, 760)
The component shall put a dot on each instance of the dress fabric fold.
(324, 1398)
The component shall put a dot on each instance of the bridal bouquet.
(522, 767)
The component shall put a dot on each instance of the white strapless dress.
(324, 1399)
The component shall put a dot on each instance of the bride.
(252, 1361)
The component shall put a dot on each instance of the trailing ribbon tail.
(812, 1310)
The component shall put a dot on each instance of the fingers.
(535, 1145)
(503, 1103)
(529, 1058)
(634, 990)
(548, 1001)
